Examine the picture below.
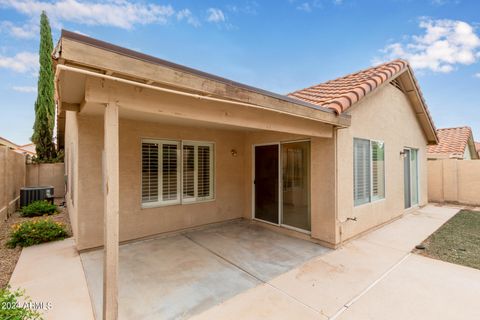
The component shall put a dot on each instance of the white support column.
(111, 209)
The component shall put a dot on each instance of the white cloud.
(187, 15)
(22, 62)
(215, 15)
(118, 13)
(443, 45)
(305, 6)
(477, 75)
(25, 89)
(26, 31)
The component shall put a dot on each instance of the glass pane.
(204, 171)
(406, 178)
(169, 172)
(266, 183)
(149, 172)
(188, 172)
(414, 175)
(361, 171)
(296, 184)
(378, 170)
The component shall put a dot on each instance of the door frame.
(280, 183)
(410, 175)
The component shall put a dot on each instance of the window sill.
(371, 202)
(160, 205)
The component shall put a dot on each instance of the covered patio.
(161, 148)
(179, 276)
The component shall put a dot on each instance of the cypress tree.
(45, 103)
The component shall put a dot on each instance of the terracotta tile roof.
(452, 141)
(340, 94)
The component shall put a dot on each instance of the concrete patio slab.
(421, 288)
(404, 234)
(53, 273)
(326, 283)
(263, 302)
(177, 277)
(263, 253)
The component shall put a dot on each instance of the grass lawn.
(457, 241)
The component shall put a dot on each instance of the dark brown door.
(266, 183)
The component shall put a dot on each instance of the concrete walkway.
(374, 277)
(52, 274)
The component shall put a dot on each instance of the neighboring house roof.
(25, 149)
(8, 143)
(342, 93)
(452, 143)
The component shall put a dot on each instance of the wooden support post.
(111, 210)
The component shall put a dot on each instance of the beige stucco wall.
(71, 169)
(385, 115)
(454, 180)
(136, 222)
(12, 178)
(47, 174)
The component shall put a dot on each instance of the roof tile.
(451, 141)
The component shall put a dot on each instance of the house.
(454, 143)
(27, 149)
(153, 147)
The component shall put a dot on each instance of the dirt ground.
(9, 257)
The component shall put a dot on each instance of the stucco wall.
(322, 169)
(71, 169)
(47, 174)
(136, 222)
(452, 180)
(385, 115)
(12, 178)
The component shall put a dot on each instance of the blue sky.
(280, 45)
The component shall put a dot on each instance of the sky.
(280, 45)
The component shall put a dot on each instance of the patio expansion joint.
(253, 276)
(370, 287)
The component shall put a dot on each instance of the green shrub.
(38, 231)
(39, 208)
(12, 309)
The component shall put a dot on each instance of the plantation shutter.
(149, 172)
(361, 171)
(204, 173)
(170, 171)
(188, 172)
(378, 170)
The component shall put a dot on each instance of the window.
(176, 172)
(368, 171)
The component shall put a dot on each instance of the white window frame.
(371, 198)
(180, 199)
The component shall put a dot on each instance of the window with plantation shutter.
(170, 171)
(368, 171)
(378, 170)
(149, 172)
(204, 172)
(176, 172)
(361, 171)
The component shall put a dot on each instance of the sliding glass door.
(296, 185)
(410, 177)
(282, 184)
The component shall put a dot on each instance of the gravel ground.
(9, 257)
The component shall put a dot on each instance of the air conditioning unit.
(31, 194)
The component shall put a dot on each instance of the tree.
(45, 103)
